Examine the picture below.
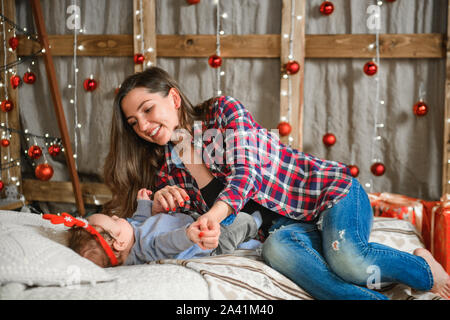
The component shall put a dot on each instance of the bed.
(35, 263)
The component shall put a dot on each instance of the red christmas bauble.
(139, 58)
(54, 150)
(13, 42)
(378, 169)
(370, 68)
(34, 152)
(43, 172)
(292, 67)
(192, 1)
(2, 185)
(354, 170)
(90, 84)
(329, 139)
(15, 81)
(5, 143)
(420, 109)
(29, 77)
(7, 105)
(215, 61)
(284, 128)
(326, 8)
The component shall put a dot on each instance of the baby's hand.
(144, 194)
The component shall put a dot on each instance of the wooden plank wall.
(352, 46)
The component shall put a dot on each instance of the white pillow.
(33, 251)
(395, 233)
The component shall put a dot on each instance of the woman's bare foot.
(441, 285)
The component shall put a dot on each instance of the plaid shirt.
(254, 164)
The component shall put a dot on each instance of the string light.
(74, 101)
(288, 93)
(378, 102)
(219, 32)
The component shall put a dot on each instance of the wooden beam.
(11, 119)
(446, 133)
(231, 46)
(410, 46)
(391, 46)
(57, 102)
(61, 191)
(291, 86)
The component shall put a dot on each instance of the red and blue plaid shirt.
(254, 164)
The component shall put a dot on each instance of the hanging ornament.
(5, 142)
(90, 84)
(54, 150)
(35, 152)
(354, 170)
(15, 81)
(215, 61)
(192, 1)
(292, 67)
(139, 58)
(420, 109)
(378, 169)
(43, 172)
(326, 8)
(370, 68)
(284, 128)
(329, 139)
(13, 42)
(7, 105)
(2, 185)
(29, 77)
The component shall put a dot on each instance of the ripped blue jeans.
(337, 262)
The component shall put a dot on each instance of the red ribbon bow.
(70, 221)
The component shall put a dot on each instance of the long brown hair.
(132, 162)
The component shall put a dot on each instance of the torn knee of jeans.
(336, 243)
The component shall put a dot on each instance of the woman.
(320, 241)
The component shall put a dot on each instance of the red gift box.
(398, 206)
(431, 218)
(440, 232)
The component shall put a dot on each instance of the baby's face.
(119, 228)
(113, 225)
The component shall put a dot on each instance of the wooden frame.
(446, 142)
(13, 115)
(395, 46)
(14, 148)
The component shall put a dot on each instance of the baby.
(145, 237)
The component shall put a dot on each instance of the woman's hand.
(204, 232)
(169, 198)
